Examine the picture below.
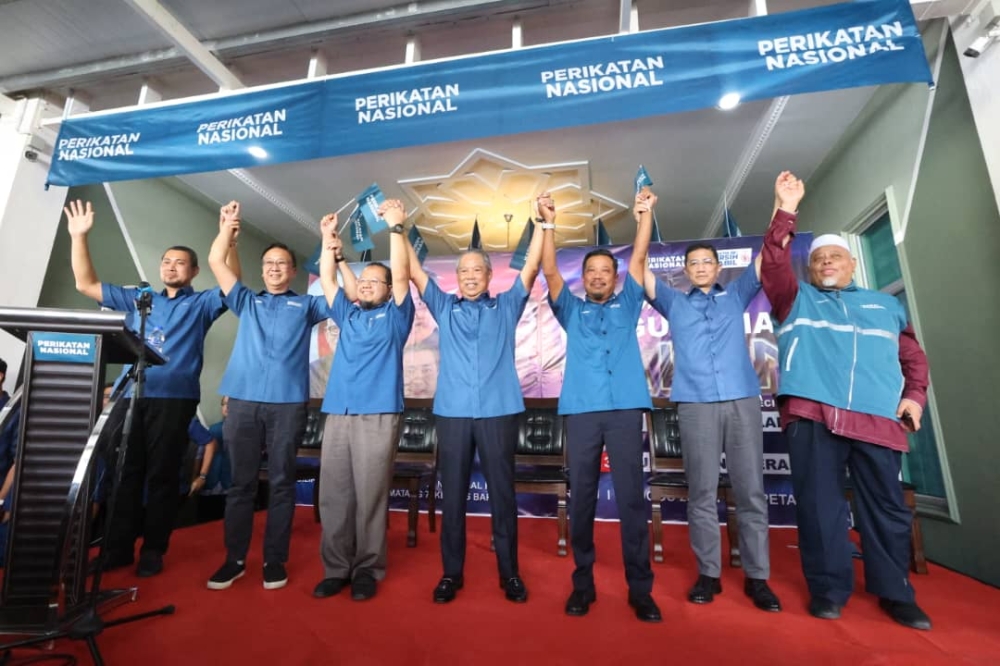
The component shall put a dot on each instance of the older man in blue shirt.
(476, 404)
(364, 400)
(267, 382)
(176, 327)
(718, 405)
(604, 395)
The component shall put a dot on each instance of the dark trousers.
(152, 462)
(250, 427)
(818, 459)
(621, 433)
(496, 440)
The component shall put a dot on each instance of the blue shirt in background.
(604, 369)
(270, 358)
(478, 377)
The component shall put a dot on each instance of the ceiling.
(101, 52)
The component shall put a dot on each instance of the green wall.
(952, 239)
(157, 214)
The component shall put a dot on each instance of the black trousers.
(496, 440)
(621, 433)
(152, 463)
(818, 459)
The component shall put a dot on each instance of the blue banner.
(521, 253)
(361, 240)
(477, 240)
(602, 235)
(642, 180)
(521, 90)
(729, 227)
(369, 201)
(64, 347)
(418, 243)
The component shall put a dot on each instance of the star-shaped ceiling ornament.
(500, 193)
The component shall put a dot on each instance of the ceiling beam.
(189, 45)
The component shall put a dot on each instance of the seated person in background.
(220, 473)
(194, 477)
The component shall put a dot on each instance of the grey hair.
(481, 253)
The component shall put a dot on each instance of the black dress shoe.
(763, 598)
(514, 589)
(704, 590)
(645, 608)
(329, 587)
(447, 588)
(906, 613)
(824, 609)
(150, 564)
(363, 586)
(579, 602)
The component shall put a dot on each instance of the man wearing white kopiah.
(853, 384)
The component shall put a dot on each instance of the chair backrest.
(313, 436)
(417, 437)
(541, 438)
(664, 439)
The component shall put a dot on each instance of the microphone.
(144, 297)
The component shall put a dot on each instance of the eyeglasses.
(371, 282)
(277, 263)
(703, 262)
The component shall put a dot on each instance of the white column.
(29, 217)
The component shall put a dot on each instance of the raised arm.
(331, 258)
(79, 221)
(649, 282)
(229, 226)
(233, 258)
(550, 269)
(776, 274)
(645, 201)
(417, 273)
(531, 263)
(399, 256)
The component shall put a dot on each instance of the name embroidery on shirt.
(294, 304)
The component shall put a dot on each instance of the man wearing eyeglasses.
(267, 382)
(718, 406)
(363, 403)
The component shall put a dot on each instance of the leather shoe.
(704, 590)
(514, 589)
(762, 596)
(907, 614)
(824, 609)
(579, 602)
(329, 587)
(363, 586)
(150, 564)
(645, 608)
(447, 588)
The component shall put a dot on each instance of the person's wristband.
(548, 225)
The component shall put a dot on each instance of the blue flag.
(361, 239)
(366, 256)
(312, 263)
(369, 201)
(642, 180)
(477, 241)
(521, 253)
(418, 243)
(602, 234)
(730, 229)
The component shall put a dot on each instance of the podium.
(44, 585)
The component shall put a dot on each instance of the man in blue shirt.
(604, 395)
(267, 382)
(176, 327)
(476, 405)
(364, 400)
(718, 405)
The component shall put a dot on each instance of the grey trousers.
(355, 474)
(708, 429)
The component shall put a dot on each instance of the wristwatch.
(396, 229)
(338, 258)
(203, 477)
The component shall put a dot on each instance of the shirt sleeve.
(913, 362)
(319, 309)
(564, 306)
(435, 299)
(198, 433)
(238, 298)
(664, 300)
(403, 319)
(513, 300)
(633, 295)
(776, 274)
(340, 308)
(118, 298)
(214, 303)
(747, 285)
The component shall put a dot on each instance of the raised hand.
(788, 191)
(328, 226)
(645, 202)
(79, 217)
(229, 219)
(546, 207)
(392, 211)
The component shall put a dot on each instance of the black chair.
(667, 479)
(540, 461)
(415, 469)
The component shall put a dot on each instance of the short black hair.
(388, 271)
(280, 246)
(601, 252)
(700, 246)
(3, 367)
(192, 255)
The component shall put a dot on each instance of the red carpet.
(249, 625)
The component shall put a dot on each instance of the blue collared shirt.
(367, 372)
(176, 327)
(478, 378)
(604, 369)
(270, 359)
(711, 361)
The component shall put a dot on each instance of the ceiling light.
(729, 101)
(257, 152)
